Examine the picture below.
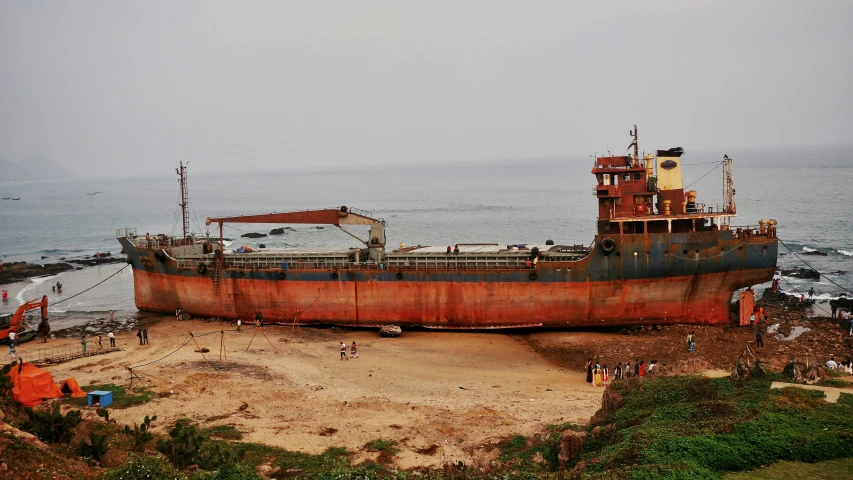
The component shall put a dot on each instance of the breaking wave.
(34, 282)
(809, 249)
(846, 253)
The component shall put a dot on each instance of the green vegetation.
(225, 432)
(144, 467)
(52, 426)
(382, 445)
(828, 470)
(694, 427)
(140, 433)
(95, 449)
(183, 445)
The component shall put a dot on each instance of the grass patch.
(829, 470)
(122, 398)
(382, 445)
(224, 432)
(694, 427)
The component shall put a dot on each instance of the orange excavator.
(17, 321)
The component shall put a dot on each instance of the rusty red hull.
(369, 302)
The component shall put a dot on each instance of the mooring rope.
(84, 291)
(809, 265)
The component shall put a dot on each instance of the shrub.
(236, 471)
(52, 426)
(217, 456)
(96, 449)
(140, 434)
(382, 445)
(183, 446)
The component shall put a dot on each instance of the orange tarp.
(32, 385)
(71, 387)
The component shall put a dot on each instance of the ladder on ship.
(216, 276)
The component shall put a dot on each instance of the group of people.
(599, 375)
(353, 351)
(846, 366)
(142, 334)
(57, 287)
(98, 343)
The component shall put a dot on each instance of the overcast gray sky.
(129, 88)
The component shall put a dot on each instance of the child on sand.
(353, 351)
(344, 351)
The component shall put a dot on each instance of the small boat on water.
(16, 198)
(6, 198)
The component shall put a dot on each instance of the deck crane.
(332, 216)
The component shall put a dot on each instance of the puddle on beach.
(795, 332)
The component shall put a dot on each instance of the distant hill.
(31, 168)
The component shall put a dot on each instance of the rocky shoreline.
(18, 271)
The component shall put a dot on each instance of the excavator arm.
(18, 319)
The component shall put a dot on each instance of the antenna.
(182, 172)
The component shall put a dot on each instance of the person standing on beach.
(145, 336)
(139, 335)
(752, 319)
(98, 342)
(112, 339)
(637, 367)
(12, 343)
(690, 342)
(759, 339)
(112, 315)
(597, 376)
(641, 372)
(589, 371)
(811, 293)
(353, 351)
(83, 342)
(344, 351)
(43, 330)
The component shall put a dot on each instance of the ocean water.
(807, 191)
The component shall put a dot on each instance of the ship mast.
(635, 144)
(728, 186)
(182, 172)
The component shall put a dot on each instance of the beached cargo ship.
(659, 257)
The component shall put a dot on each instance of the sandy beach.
(443, 396)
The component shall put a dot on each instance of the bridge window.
(626, 177)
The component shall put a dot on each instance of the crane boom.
(329, 216)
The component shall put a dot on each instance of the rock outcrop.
(17, 271)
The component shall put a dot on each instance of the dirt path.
(439, 393)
